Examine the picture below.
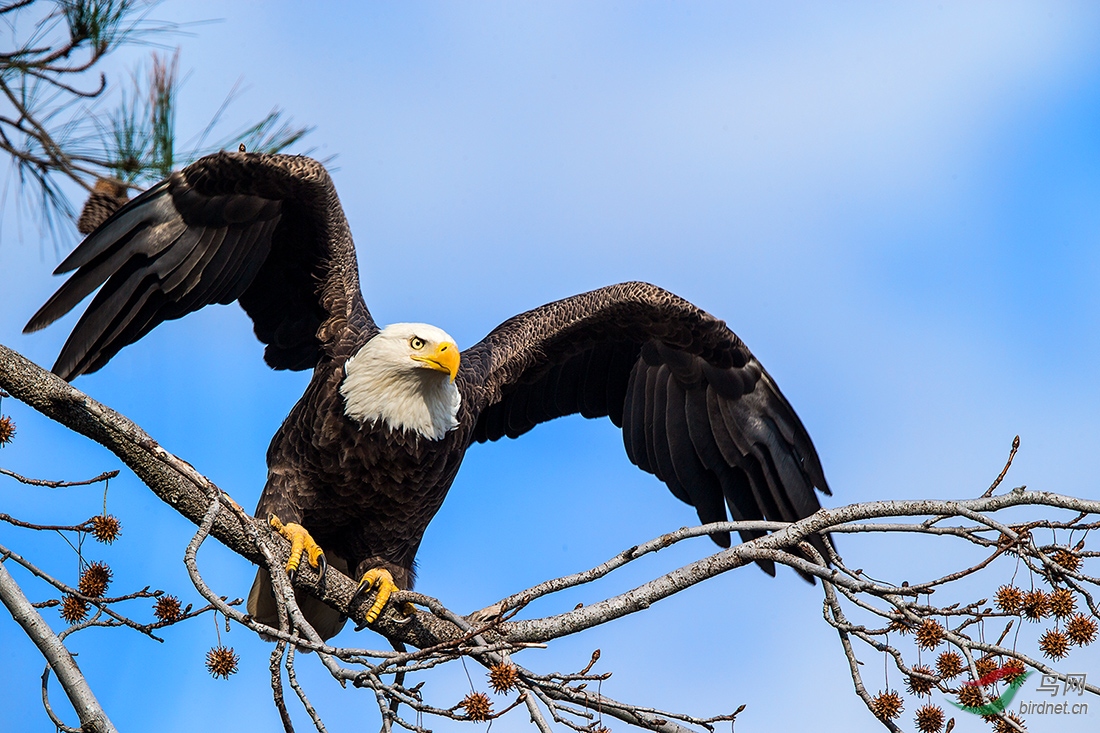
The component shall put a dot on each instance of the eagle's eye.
(417, 343)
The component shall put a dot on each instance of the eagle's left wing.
(696, 408)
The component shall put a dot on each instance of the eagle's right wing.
(267, 230)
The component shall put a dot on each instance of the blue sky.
(894, 205)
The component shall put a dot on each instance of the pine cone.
(108, 197)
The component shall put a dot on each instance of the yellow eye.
(417, 343)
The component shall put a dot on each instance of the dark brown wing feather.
(266, 230)
(696, 408)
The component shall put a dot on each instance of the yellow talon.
(381, 579)
(300, 542)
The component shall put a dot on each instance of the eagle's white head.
(404, 378)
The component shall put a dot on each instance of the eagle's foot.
(300, 543)
(381, 579)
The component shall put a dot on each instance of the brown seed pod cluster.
(167, 609)
(1054, 644)
(985, 665)
(899, 624)
(221, 661)
(1013, 669)
(7, 429)
(919, 685)
(930, 719)
(1036, 605)
(502, 677)
(1066, 559)
(1012, 546)
(971, 696)
(106, 528)
(73, 609)
(477, 706)
(1000, 725)
(1081, 630)
(929, 634)
(949, 665)
(1009, 599)
(886, 705)
(1062, 603)
(95, 579)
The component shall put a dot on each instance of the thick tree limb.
(183, 488)
(88, 709)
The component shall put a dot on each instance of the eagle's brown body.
(366, 494)
(696, 408)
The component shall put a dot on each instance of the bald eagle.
(365, 458)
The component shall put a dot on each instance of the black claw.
(358, 592)
(322, 566)
(292, 574)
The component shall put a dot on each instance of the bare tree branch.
(88, 709)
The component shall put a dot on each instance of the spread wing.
(266, 230)
(696, 408)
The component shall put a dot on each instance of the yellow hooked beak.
(444, 359)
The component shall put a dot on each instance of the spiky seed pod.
(919, 685)
(477, 706)
(1013, 669)
(1036, 605)
(502, 677)
(167, 608)
(985, 665)
(930, 719)
(73, 609)
(1009, 599)
(95, 579)
(106, 528)
(1054, 644)
(1012, 546)
(886, 705)
(1081, 630)
(949, 665)
(7, 429)
(899, 624)
(929, 634)
(970, 696)
(1062, 603)
(1066, 559)
(221, 661)
(1000, 725)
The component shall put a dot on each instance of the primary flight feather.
(365, 458)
